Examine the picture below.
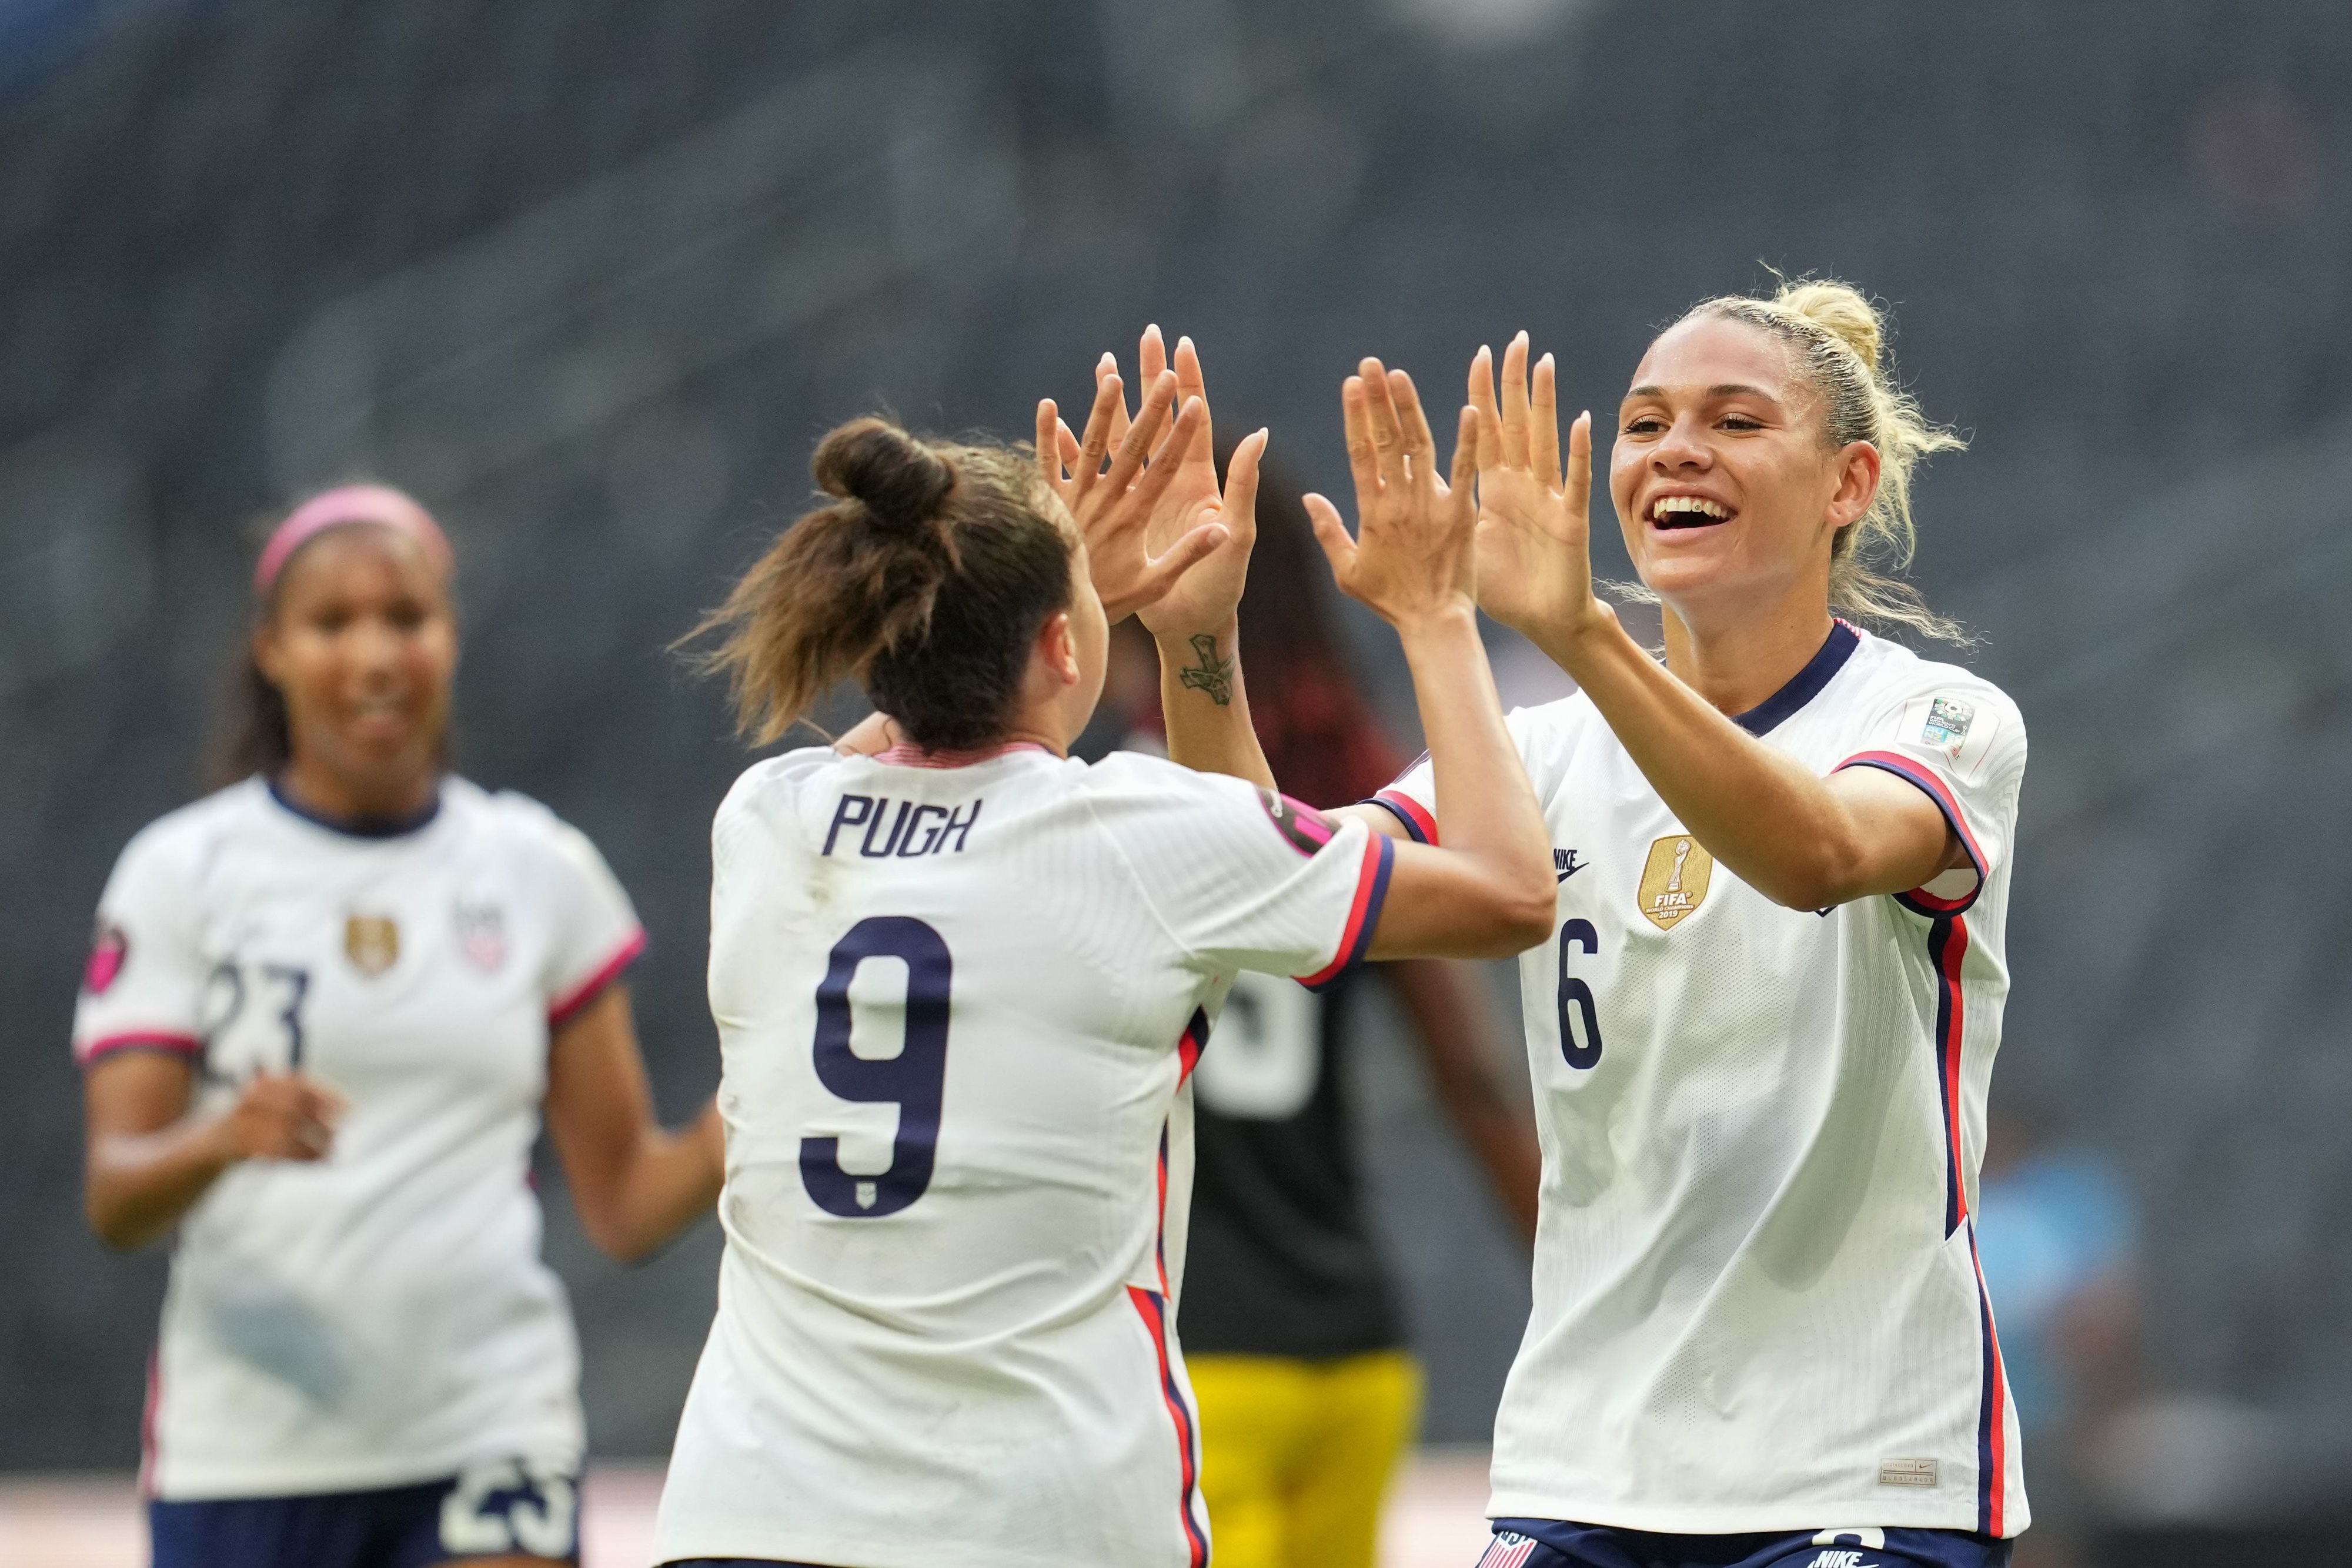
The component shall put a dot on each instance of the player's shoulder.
(1141, 778)
(518, 825)
(1889, 672)
(179, 841)
(1564, 719)
(1550, 735)
(777, 783)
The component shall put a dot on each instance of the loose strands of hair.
(924, 581)
(1838, 338)
(258, 736)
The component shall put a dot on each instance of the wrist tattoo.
(1212, 675)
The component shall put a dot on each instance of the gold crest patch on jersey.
(372, 942)
(1674, 880)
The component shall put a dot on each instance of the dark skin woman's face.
(363, 644)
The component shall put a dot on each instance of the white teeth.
(1689, 504)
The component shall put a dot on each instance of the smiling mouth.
(1687, 512)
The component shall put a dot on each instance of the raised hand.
(1411, 560)
(1535, 546)
(1115, 508)
(1205, 599)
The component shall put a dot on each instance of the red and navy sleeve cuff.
(171, 1043)
(1918, 900)
(1419, 825)
(566, 1007)
(1363, 915)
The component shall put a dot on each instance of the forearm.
(671, 1179)
(1773, 822)
(1206, 706)
(1490, 814)
(137, 1185)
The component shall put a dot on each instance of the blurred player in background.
(945, 1327)
(1763, 1028)
(1293, 1329)
(327, 1010)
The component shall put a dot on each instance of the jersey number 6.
(913, 1080)
(1578, 933)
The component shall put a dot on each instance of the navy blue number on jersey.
(1578, 933)
(913, 1080)
(296, 982)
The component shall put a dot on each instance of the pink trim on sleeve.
(170, 1040)
(568, 1006)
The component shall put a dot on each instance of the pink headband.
(351, 504)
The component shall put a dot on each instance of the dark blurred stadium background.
(590, 276)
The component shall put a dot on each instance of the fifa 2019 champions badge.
(372, 942)
(1674, 880)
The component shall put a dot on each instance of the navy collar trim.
(1804, 685)
(359, 827)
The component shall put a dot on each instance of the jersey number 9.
(913, 1080)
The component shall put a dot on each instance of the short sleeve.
(1248, 879)
(596, 931)
(143, 986)
(1411, 796)
(1962, 742)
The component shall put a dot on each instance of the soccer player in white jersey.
(961, 985)
(1762, 1030)
(326, 1011)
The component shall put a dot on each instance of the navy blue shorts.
(1554, 1544)
(492, 1511)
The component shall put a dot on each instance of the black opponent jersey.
(1282, 1260)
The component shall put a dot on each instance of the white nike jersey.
(958, 1006)
(382, 1316)
(1757, 1301)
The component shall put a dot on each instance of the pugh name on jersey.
(918, 828)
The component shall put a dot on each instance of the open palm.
(1411, 557)
(1204, 600)
(1132, 561)
(1535, 543)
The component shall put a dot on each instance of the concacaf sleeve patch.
(1303, 827)
(1959, 729)
(108, 951)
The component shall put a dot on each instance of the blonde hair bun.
(1841, 309)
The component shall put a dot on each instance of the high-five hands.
(1412, 556)
(1535, 548)
(1158, 512)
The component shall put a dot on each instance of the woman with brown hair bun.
(961, 984)
(329, 1008)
